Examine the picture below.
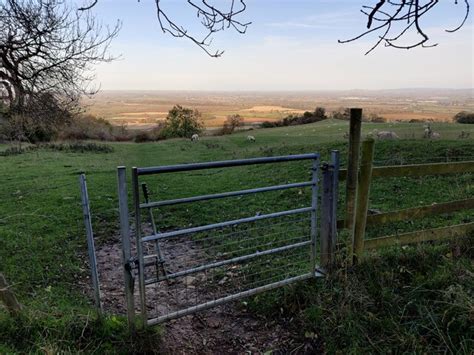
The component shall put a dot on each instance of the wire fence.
(205, 267)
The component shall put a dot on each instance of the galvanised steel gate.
(181, 271)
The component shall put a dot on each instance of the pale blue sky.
(291, 45)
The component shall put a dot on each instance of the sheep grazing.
(251, 138)
(386, 134)
(194, 137)
(430, 134)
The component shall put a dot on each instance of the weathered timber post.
(126, 247)
(362, 203)
(352, 169)
(327, 218)
(8, 297)
(90, 240)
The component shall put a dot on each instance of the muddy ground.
(224, 329)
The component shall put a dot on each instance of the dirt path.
(224, 329)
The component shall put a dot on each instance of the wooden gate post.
(362, 203)
(8, 297)
(352, 169)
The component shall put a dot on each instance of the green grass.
(401, 300)
(42, 242)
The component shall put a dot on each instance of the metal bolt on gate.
(187, 270)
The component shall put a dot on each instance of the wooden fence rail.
(358, 179)
(417, 212)
(417, 170)
(434, 234)
(362, 219)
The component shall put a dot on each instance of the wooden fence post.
(8, 297)
(352, 169)
(362, 203)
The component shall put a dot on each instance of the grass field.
(416, 299)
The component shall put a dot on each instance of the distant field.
(143, 109)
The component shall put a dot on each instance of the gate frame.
(330, 195)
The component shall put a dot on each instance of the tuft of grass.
(74, 147)
(77, 331)
(78, 147)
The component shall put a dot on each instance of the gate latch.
(131, 264)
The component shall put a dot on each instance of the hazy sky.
(291, 45)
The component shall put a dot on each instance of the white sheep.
(251, 138)
(195, 137)
(385, 134)
(430, 134)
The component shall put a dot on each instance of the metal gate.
(181, 271)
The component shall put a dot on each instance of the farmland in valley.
(143, 109)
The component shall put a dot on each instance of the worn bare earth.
(228, 329)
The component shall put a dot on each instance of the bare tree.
(394, 19)
(49, 46)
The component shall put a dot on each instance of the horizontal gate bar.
(226, 262)
(223, 224)
(230, 298)
(224, 164)
(224, 194)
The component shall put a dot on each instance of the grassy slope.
(42, 239)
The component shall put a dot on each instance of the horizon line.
(285, 90)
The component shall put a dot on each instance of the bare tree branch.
(400, 16)
(213, 19)
(88, 7)
(385, 18)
